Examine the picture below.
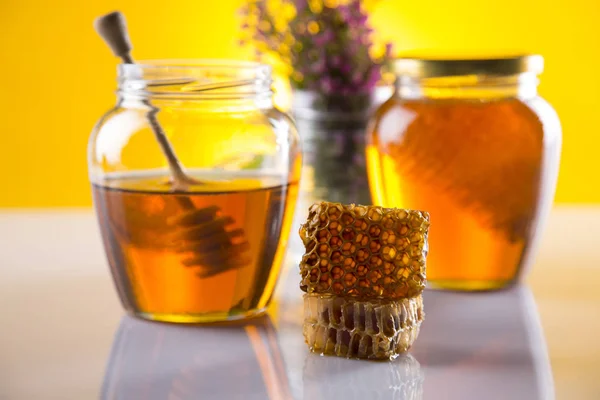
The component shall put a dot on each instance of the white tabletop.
(64, 335)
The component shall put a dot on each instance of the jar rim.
(214, 78)
(200, 63)
(436, 67)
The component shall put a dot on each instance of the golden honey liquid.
(138, 219)
(483, 172)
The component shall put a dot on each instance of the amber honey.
(172, 267)
(483, 169)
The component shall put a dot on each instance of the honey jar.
(194, 175)
(471, 142)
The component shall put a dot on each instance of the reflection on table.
(163, 361)
(338, 378)
(483, 346)
(472, 346)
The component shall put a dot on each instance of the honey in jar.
(171, 267)
(471, 142)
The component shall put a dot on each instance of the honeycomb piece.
(364, 251)
(347, 327)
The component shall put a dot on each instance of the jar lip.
(196, 63)
(449, 66)
(214, 78)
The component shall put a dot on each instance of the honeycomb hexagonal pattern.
(364, 251)
(376, 329)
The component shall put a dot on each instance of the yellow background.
(58, 78)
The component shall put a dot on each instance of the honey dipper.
(201, 232)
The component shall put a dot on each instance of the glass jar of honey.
(194, 176)
(471, 142)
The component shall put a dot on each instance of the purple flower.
(335, 61)
(327, 85)
(318, 67)
(374, 76)
(354, 5)
(300, 4)
(324, 38)
(345, 13)
(362, 19)
(388, 49)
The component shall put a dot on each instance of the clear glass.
(481, 155)
(212, 250)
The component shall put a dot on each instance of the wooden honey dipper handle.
(112, 28)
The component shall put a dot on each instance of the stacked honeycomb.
(363, 271)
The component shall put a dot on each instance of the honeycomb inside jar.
(484, 169)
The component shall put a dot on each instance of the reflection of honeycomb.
(399, 380)
(365, 252)
(347, 327)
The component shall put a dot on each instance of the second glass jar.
(471, 142)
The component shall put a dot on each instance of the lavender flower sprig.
(326, 48)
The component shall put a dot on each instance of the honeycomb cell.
(348, 235)
(349, 264)
(336, 257)
(322, 236)
(375, 214)
(347, 327)
(347, 218)
(362, 255)
(349, 279)
(389, 253)
(388, 237)
(375, 246)
(362, 270)
(311, 260)
(387, 222)
(337, 272)
(374, 231)
(337, 287)
(335, 242)
(334, 228)
(374, 264)
(334, 212)
(364, 239)
(402, 243)
(360, 225)
(348, 249)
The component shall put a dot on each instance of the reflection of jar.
(471, 142)
(165, 361)
(492, 346)
(212, 250)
